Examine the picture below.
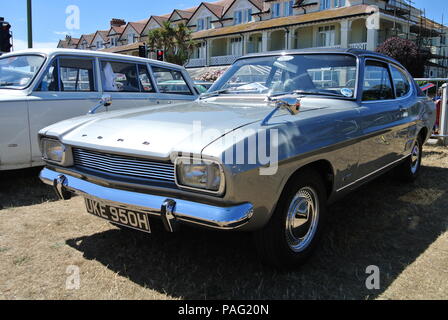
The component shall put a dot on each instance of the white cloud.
(21, 45)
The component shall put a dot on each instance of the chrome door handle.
(404, 112)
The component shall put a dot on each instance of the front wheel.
(294, 230)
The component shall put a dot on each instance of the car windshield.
(321, 74)
(17, 72)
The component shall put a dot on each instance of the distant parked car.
(284, 134)
(42, 87)
(204, 85)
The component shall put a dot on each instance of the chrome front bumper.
(170, 210)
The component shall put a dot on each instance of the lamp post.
(30, 24)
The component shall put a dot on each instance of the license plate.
(120, 216)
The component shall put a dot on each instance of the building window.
(288, 8)
(200, 25)
(99, 45)
(327, 36)
(236, 46)
(131, 38)
(339, 3)
(248, 17)
(275, 10)
(238, 19)
(325, 4)
(209, 23)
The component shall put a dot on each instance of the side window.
(377, 82)
(50, 79)
(171, 81)
(145, 79)
(401, 82)
(76, 75)
(119, 77)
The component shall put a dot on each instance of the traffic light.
(160, 54)
(142, 52)
(5, 37)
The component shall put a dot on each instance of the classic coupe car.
(276, 139)
(39, 87)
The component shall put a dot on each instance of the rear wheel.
(409, 170)
(297, 223)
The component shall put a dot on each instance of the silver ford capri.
(277, 138)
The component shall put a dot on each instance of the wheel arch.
(323, 167)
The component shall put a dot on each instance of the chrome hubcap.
(302, 219)
(415, 158)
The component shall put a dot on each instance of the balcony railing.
(194, 63)
(230, 59)
(359, 45)
(337, 46)
(223, 60)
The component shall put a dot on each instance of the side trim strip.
(372, 173)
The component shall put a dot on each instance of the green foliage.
(174, 40)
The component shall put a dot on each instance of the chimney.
(68, 37)
(117, 22)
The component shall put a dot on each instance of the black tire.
(275, 242)
(409, 170)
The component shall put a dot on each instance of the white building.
(224, 30)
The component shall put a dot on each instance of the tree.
(175, 41)
(407, 53)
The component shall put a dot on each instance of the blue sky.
(50, 17)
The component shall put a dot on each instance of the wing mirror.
(291, 104)
(106, 102)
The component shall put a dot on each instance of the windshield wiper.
(304, 92)
(228, 90)
(5, 84)
(212, 93)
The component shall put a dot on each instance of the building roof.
(87, 37)
(116, 30)
(284, 21)
(124, 48)
(185, 14)
(161, 19)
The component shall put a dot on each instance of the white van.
(42, 87)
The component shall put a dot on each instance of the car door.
(382, 120)
(172, 85)
(409, 106)
(127, 84)
(67, 89)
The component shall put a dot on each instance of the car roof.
(355, 52)
(52, 52)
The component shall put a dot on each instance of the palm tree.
(175, 41)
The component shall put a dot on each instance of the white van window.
(50, 80)
(171, 81)
(119, 76)
(145, 79)
(76, 75)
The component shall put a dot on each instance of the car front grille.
(124, 165)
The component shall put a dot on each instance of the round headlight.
(200, 174)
